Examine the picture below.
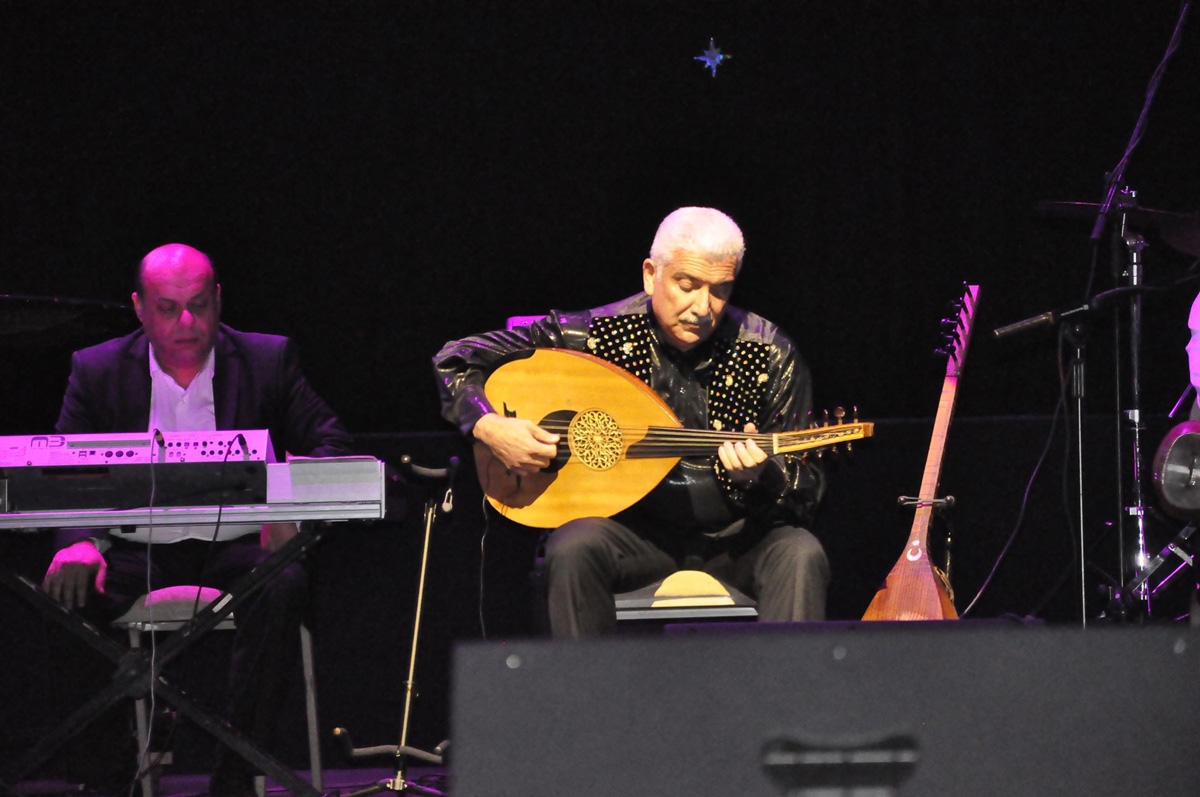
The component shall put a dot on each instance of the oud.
(619, 439)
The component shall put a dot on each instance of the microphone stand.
(403, 752)
(1072, 321)
(1075, 330)
(1076, 334)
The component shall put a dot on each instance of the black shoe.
(231, 782)
(111, 781)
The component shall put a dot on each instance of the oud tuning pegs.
(825, 418)
(853, 419)
(839, 414)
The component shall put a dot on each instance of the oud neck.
(661, 441)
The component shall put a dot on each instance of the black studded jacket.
(748, 371)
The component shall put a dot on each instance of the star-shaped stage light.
(712, 57)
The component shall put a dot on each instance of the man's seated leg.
(104, 756)
(265, 648)
(788, 573)
(589, 559)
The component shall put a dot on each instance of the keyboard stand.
(132, 677)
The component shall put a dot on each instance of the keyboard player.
(185, 371)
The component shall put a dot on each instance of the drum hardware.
(1176, 474)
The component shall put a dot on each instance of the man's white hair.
(706, 232)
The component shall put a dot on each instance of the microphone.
(448, 498)
(1045, 319)
(447, 473)
(1052, 317)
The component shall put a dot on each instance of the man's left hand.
(743, 460)
(275, 535)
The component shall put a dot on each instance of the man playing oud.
(738, 516)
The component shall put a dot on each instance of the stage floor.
(337, 783)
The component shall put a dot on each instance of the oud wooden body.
(619, 439)
(550, 381)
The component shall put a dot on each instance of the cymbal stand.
(402, 752)
(1134, 245)
(1133, 272)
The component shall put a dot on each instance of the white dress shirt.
(174, 408)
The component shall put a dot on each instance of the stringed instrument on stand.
(915, 589)
(618, 438)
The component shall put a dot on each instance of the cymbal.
(1183, 234)
(1180, 231)
(40, 320)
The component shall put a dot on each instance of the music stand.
(402, 751)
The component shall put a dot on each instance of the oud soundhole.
(595, 439)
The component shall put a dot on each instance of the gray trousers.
(590, 559)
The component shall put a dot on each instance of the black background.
(374, 178)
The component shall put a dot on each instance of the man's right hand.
(522, 446)
(73, 572)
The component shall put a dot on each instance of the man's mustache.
(698, 320)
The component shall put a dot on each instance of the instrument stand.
(402, 752)
(940, 507)
(134, 676)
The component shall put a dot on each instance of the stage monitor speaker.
(951, 708)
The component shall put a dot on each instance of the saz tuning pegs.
(951, 337)
(952, 327)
